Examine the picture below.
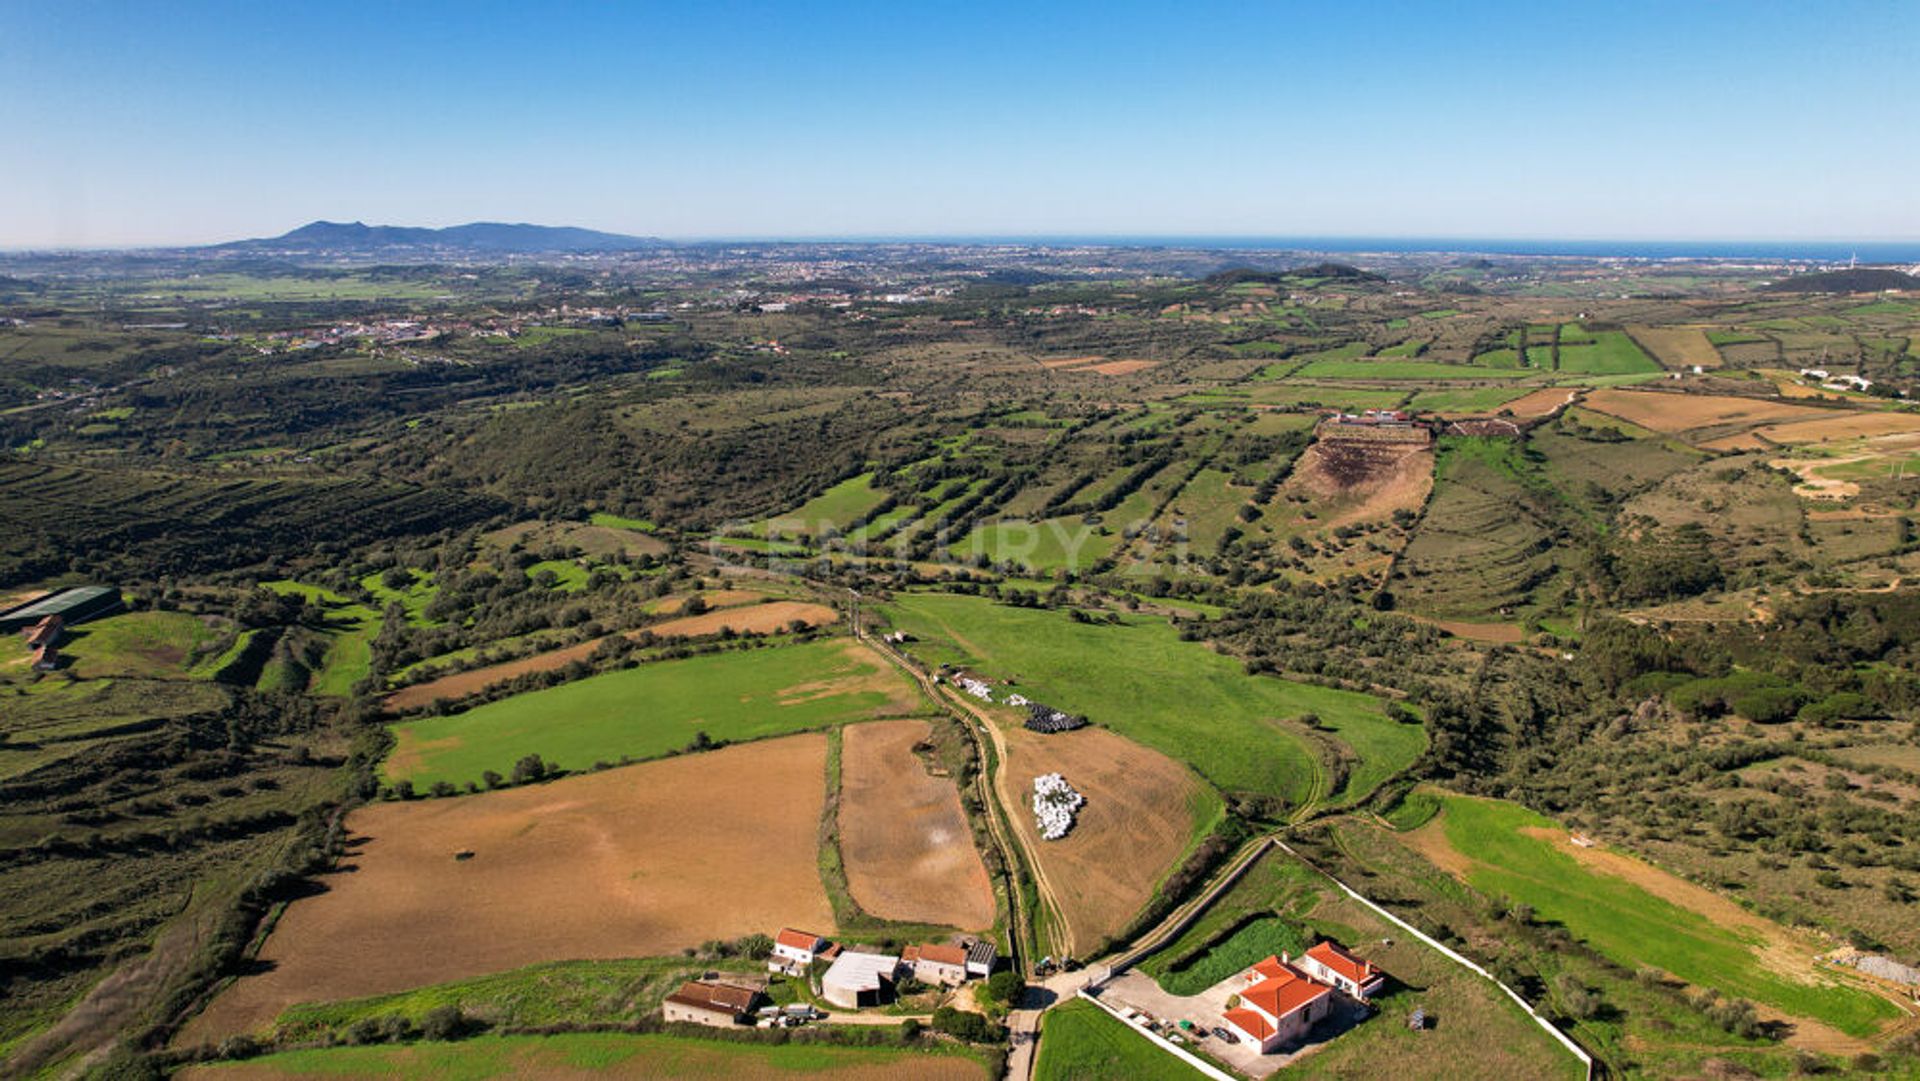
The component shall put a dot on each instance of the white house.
(794, 950)
(1278, 1006)
(1330, 963)
(980, 959)
(859, 979)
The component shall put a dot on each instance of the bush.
(443, 1023)
(970, 1027)
(1005, 987)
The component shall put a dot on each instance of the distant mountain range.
(480, 237)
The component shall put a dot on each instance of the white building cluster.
(1054, 805)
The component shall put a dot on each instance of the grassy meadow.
(655, 709)
(1081, 1042)
(1180, 698)
(1631, 925)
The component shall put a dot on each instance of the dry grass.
(1133, 829)
(1677, 347)
(904, 839)
(1119, 367)
(628, 862)
(1672, 414)
(1833, 427)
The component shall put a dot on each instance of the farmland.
(903, 837)
(601, 1055)
(1638, 915)
(1139, 680)
(410, 913)
(503, 668)
(655, 709)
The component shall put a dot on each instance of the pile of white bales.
(1054, 804)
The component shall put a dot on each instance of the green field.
(615, 1054)
(1081, 1042)
(136, 644)
(350, 631)
(413, 598)
(615, 521)
(834, 509)
(1631, 925)
(1612, 353)
(1181, 698)
(655, 708)
(1268, 936)
(1468, 400)
(1409, 370)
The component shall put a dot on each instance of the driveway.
(1208, 1009)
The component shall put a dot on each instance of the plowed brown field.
(904, 838)
(1136, 822)
(629, 862)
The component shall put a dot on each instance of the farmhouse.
(1329, 962)
(860, 979)
(72, 606)
(942, 965)
(1278, 1006)
(794, 950)
(706, 1002)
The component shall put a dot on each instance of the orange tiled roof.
(1282, 997)
(1335, 957)
(1250, 1023)
(798, 940)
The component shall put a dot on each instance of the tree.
(1005, 986)
(962, 1025)
(443, 1023)
(530, 769)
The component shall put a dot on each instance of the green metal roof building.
(71, 605)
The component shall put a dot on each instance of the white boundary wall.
(1566, 1040)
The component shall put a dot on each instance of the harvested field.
(1498, 633)
(1672, 414)
(1677, 347)
(753, 619)
(1069, 362)
(1540, 403)
(1119, 367)
(1139, 814)
(628, 862)
(905, 842)
(715, 598)
(603, 1056)
(1851, 425)
(766, 618)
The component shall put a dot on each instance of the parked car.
(1225, 1035)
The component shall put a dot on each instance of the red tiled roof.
(1275, 969)
(1250, 1023)
(1282, 997)
(939, 955)
(715, 996)
(798, 940)
(1335, 957)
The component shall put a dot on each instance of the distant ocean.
(1828, 251)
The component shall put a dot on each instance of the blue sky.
(130, 123)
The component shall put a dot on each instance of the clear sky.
(148, 122)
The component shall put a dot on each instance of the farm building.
(1330, 963)
(1279, 1005)
(860, 979)
(708, 1002)
(981, 957)
(74, 605)
(942, 965)
(1045, 719)
(794, 950)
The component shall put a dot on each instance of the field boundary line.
(1447, 952)
(1206, 1068)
